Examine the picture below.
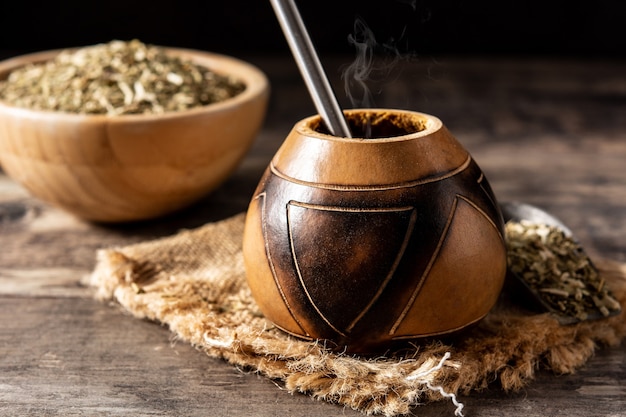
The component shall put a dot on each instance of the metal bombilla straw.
(310, 67)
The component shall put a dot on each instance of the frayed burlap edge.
(194, 282)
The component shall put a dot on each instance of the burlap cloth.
(194, 282)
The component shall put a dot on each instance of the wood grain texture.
(551, 133)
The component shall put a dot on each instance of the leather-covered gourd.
(364, 242)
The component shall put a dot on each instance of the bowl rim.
(257, 84)
(432, 125)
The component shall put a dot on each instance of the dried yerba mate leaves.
(117, 78)
(555, 267)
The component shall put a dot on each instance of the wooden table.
(549, 132)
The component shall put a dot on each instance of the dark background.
(421, 27)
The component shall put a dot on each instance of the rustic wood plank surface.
(548, 132)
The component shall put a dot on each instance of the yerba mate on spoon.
(548, 264)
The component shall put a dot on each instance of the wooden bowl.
(367, 242)
(131, 167)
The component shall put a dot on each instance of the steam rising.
(363, 70)
(367, 67)
(356, 75)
